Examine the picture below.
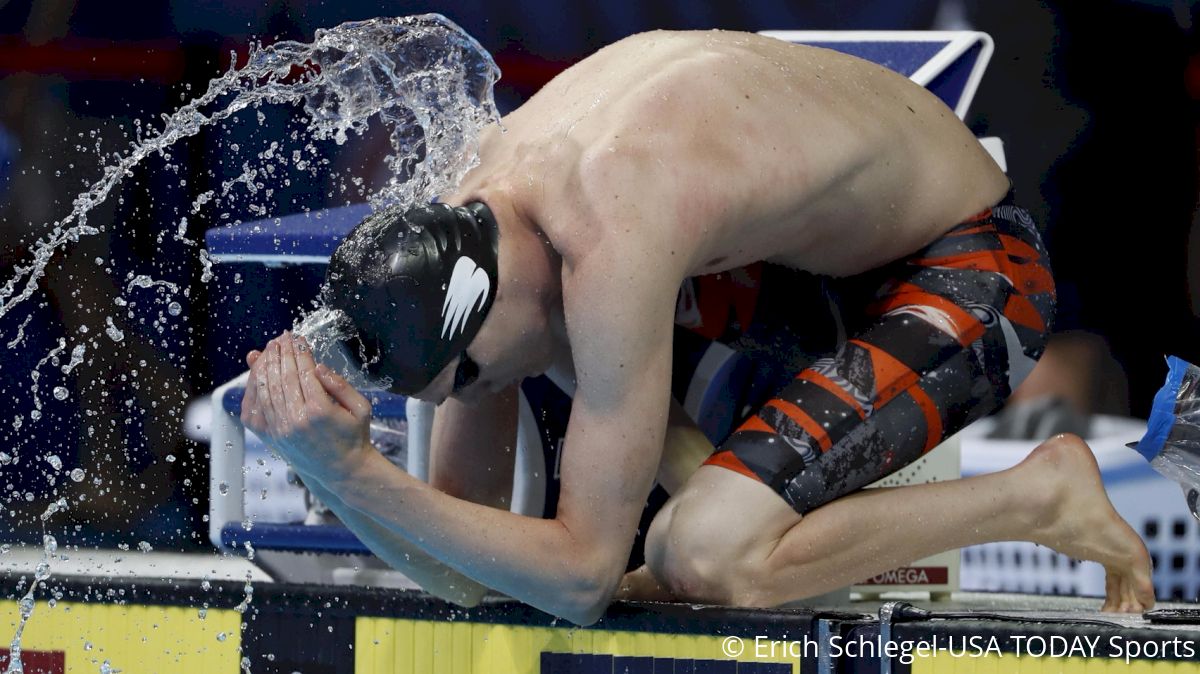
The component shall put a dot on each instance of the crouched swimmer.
(738, 168)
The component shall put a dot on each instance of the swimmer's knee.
(691, 562)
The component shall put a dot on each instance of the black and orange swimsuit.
(852, 379)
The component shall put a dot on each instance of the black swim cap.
(416, 286)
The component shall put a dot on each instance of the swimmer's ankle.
(1045, 482)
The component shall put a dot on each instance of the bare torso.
(752, 148)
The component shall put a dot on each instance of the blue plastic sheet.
(1172, 440)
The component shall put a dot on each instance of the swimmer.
(728, 165)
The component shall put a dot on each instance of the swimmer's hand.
(306, 412)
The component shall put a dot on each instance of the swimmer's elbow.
(586, 608)
(590, 595)
(587, 617)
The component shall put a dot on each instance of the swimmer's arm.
(619, 313)
(320, 424)
(433, 576)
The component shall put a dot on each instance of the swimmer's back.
(762, 149)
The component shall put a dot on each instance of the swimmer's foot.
(1078, 520)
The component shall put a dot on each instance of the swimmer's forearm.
(533, 560)
(433, 576)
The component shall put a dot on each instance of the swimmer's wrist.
(357, 473)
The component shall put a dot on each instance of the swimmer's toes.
(1128, 589)
(1144, 594)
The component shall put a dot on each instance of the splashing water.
(325, 329)
(423, 77)
(26, 604)
(424, 81)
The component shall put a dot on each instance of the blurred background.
(1098, 104)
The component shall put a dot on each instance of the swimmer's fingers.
(345, 395)
(316, 401)
(293, 394)
(252, 417)
(276, 408)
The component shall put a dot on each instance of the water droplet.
(223, 488)
(54, 461)
(174, 308)
(222, 636)
(144, 546)
(77, 475)
(113, 333)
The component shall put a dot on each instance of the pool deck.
(147, 607)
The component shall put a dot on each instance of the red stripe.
(726, 459)
(85, 59)
(986, 260)
(1019, 248)
(37, 662)
(806, 422)
(892, 377)
(163, 61)
(754, 423)
(907, 294)
(829, 385)
(933, 418)
(967, 231)
(1020, 310)
(1031, 278)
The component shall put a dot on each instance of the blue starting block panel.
(265, 273)
(333, 539)
(302, 238)
(950, 64)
